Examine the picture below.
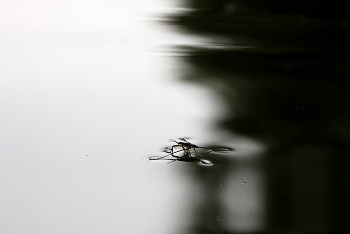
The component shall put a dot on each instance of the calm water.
(90, 91)
(86, 98)
(281, 70)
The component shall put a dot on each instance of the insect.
(185, 151)
(185, 157)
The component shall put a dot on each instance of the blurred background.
(90, 90)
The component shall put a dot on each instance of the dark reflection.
(287, 86)
(209, 214)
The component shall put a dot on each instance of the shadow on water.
(284, 80)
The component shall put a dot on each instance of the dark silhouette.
(285, 76)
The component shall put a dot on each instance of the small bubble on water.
(219, 218)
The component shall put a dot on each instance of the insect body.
(185, 157)
(187, 152)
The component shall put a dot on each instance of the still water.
(90, 91)
(281, 70)
(87, 95)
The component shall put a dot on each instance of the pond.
(90, 91)
(87, 96)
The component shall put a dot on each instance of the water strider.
(185, 151)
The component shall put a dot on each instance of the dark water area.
(282, 72)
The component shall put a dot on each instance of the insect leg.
(209, 151)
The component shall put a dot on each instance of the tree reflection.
(289, 89)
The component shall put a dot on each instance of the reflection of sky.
(84, 102)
